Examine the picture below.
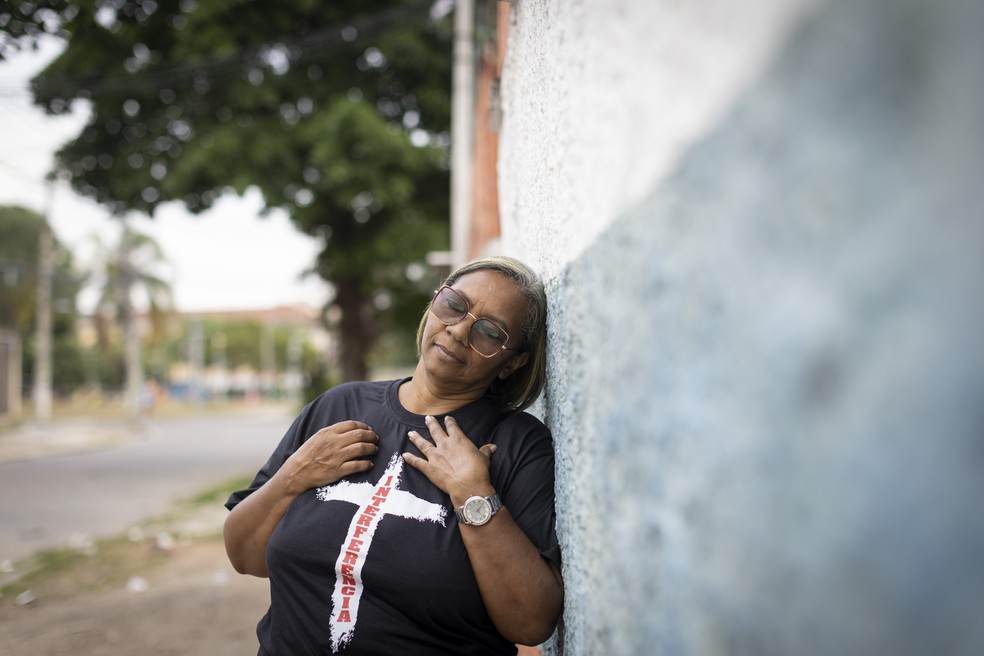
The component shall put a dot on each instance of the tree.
(130, 267)
(20, 231)
(338, 112)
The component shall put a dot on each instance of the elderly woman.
(416, 516)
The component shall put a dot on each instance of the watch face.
(477, 510)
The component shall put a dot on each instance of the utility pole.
(462, 107)
(295, 353)
(131, 333)
(42, 362)
(268, 362)
(196, 359)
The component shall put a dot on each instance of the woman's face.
(445, 350)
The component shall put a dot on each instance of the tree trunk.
(357, 333)
(131, 335)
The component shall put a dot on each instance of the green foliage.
(338, 112)
(52, 573)
(318, 380)
(132, 265)
(233, 344)
(106, 365)
(241, 343)
(20, 231)
(217, 494)
(23, 23)
(69, 373)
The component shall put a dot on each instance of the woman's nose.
(460, 331)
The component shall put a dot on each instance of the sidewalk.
(64, 436)
(77, 433)
(150, 596)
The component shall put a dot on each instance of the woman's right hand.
(326, 457)
(330, 455)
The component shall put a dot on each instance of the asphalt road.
(45, 502)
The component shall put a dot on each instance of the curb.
(31, 441)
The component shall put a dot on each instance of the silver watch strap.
(496, 502)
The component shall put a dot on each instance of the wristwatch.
(478, 510)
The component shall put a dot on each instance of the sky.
(225, 259)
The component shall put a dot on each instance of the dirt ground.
(187, 600)
(194, 604)
(136, 597)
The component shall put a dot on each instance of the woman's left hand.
(522, 592)
(451, 461)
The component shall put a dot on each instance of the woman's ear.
(514, 365)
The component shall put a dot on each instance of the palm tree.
(131, 267)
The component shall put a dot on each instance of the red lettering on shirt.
(373, 502)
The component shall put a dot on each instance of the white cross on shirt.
(375, 502)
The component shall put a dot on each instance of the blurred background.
(761, 231)
(250, 202)
(209, 214)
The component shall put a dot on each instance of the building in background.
(283, 333)
(231, 354)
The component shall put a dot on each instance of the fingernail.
(494, 448)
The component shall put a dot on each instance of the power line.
(20, 178)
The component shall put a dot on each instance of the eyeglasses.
(485, 337)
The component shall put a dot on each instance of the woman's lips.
(447, 353)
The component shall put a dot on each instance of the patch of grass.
(53, 561)
(219, 493)
(109, 563)
(55, 573)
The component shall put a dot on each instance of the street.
(45, 502)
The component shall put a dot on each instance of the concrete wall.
(762, 230)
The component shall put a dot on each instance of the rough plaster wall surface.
(601, 98)
(767, 377)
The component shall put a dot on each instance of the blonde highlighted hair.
(521, 389)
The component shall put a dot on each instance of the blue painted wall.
(767, 378)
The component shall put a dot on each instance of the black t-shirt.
(374, 564)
